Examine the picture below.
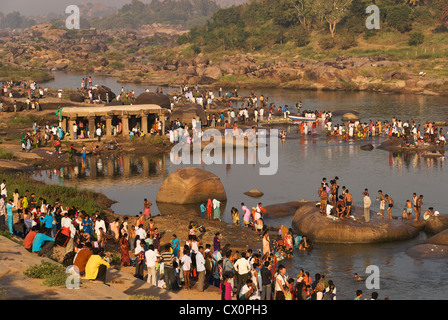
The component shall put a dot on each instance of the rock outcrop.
(189, 186)
(186, 112)
(307, 220)
(153, 98)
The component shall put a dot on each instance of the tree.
(304, 11)
(332, 11)
(443, 18)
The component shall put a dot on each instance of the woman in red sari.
(124, 246)
(209, 209)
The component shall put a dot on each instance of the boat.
(301, 119)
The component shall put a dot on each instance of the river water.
(302, 163)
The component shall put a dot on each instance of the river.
(302, 163)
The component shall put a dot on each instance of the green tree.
(399, 17)
(332, 11)
(416, 38)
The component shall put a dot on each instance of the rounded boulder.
(189, 186)
(350, 117)
(307, 220)
(153, 98)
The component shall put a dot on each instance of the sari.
(124, 246)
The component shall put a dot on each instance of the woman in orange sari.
(124, 246)
(209, 209)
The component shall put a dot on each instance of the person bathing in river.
(147, 208)
(407, 212)
(348, 203)
(382, 201)
(390, 203)
(418, 207)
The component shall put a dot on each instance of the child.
(102, 239)
(235, 216)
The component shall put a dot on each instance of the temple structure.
(116, 119)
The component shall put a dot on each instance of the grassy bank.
(86, 200)
(12, 73)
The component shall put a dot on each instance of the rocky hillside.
(150, 55)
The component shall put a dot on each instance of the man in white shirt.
(248, 291)
(99, 223)
(3, 190)
(140, 232)
(151, 259)
(200, 268)
(98, 133)
(67, 222)
(242, 268)
(367, 203)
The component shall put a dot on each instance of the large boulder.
(428, 251)
(281, 210)
(77, 97)
(307, 220)
(440, 238)
(102, 91)
(435, 247)
(350, 117)
(189, 186)
(436, 224)
(153, 98)
(186, 112)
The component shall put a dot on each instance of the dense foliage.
(15, 20)
(264, 23)
(186, 13)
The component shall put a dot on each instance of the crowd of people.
(412, 134)
(340, 206)
(239, 275)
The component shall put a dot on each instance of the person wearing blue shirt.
(42, 243)
(87, 225)
(47, 221)
(9, 207)
(203, 208)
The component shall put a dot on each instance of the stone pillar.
(162, 118)
(125, 125)
(108, 126)
(92, 127)
(144, 124)
(71, 122)
(64, 124)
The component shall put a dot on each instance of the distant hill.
(187, 13)
(229, 3)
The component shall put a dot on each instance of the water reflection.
(110, 169)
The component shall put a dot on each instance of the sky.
(42, 7)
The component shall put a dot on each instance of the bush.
(327, 42)
(347, 42)
(399, 17)
(301, 36)
(116, 65)
(53, 274)
(416, 38)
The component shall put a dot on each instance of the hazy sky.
(38, 7)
